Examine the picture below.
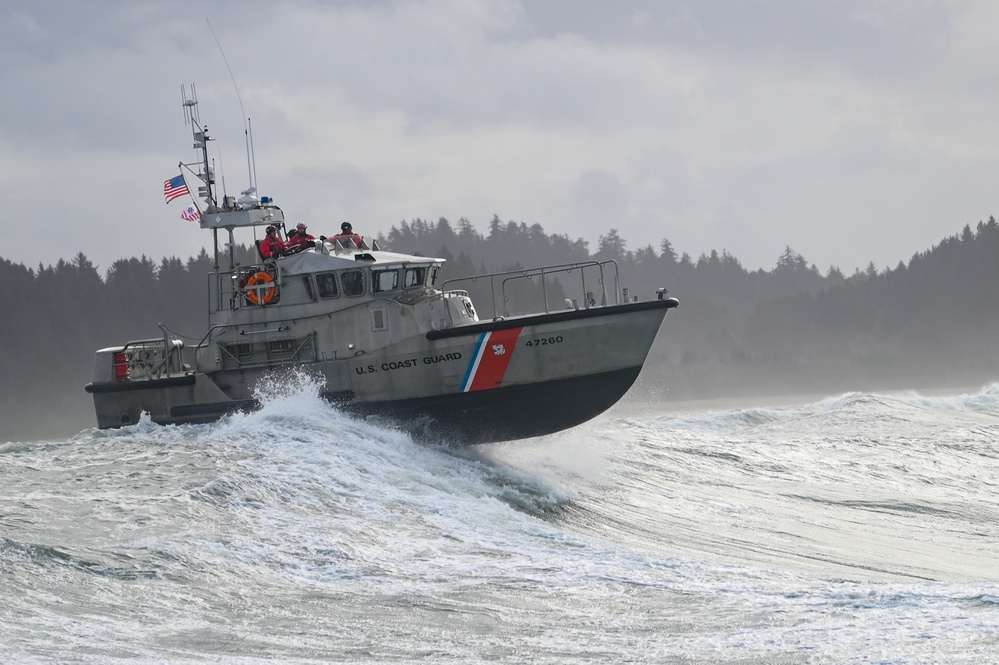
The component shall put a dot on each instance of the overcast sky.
(850, 130)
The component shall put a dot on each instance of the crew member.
(300, 239)
(347, 236)
(272, 246)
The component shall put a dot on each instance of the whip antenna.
(246, 130)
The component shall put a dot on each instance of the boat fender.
(259, 295)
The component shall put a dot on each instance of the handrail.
(172, 360)
(225, 284)
(543, 272)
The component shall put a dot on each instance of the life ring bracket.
(260, 288)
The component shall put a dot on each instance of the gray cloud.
(852, 131)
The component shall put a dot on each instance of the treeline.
(788, 329)
(56, 317)
(935, 319)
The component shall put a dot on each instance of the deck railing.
(150, 359)
(601, 275)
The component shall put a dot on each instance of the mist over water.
(856, 528)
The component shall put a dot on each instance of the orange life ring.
(260, 295)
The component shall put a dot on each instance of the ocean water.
(861, 528)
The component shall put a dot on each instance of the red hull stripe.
(488, 367)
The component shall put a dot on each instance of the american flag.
(174, 187)
(191, 214)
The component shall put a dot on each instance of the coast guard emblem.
(488, 365)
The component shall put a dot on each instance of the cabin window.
(353, 282)
(414, 277)
(308, 287)
(384, 280)
(327, 285)
(434, 269)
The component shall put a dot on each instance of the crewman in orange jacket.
(347, 236)
(301, 239)
(272, 246)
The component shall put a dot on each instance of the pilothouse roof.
(310, 261)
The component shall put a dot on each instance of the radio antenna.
(246, 130)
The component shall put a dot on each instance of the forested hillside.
(931, 322)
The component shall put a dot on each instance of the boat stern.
(150, 376)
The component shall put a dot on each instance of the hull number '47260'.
(544, 341)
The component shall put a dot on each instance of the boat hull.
(504, 414)
(489, 381)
